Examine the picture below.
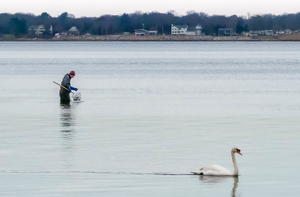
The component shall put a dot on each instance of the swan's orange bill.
(239, 153)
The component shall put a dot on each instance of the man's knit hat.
(72, 73)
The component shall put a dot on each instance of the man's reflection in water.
(220, 179)
(68, 133)
(66, 118)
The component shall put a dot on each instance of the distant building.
(143, 32)
(179, 29)
(225, 32)
(191, 31)
(152, 32)
(288, 31)
(140, 32)
(36, 29)
(73, 31)
(125, 34)
(186, 30)
(268, 32)
(246, 33)
(252, 33)
(198, 30)
(64, 33)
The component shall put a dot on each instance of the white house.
(39, 29)
(73, 31)
(288, 31)
(140, 32)
(36, 29)
(198, 30)
(186, 30)
(268, 32)
(179, 29)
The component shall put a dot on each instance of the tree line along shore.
(19, 26)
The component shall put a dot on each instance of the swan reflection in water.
(220, 179)
(66, 119)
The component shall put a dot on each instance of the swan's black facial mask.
(238, 151)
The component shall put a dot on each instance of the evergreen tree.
(239, 28)
(18, 27)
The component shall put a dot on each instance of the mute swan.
(216, 170)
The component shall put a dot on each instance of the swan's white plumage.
(216, 170)
(213, 170)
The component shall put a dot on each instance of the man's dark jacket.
(63, 93)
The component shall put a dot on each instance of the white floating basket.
(76, 96)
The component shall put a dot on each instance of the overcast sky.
(96, 8)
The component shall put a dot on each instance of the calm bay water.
(152, 112)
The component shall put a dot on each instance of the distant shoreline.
(291, 37)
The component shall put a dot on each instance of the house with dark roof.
(143, 32)
(225, 31)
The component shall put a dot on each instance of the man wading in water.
(63, 93)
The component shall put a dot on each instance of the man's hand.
(72, 88)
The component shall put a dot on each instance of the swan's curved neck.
(236, 169)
